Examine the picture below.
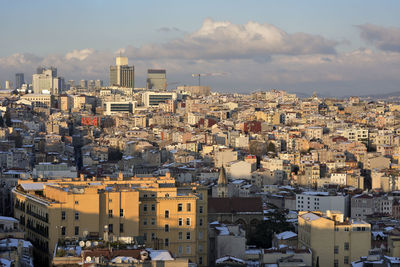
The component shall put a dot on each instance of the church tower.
(222, 183)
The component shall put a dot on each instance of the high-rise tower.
(121, 74)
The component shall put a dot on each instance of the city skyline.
(345, 48)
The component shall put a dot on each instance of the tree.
(275, 222)
(8, 118)
(271, 147)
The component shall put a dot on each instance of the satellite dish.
(81, 244)
(88, 259)
(88, 243)
(95, 243)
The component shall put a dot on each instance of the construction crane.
(208, 74)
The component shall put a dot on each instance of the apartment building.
(333, 240)
(151, 209)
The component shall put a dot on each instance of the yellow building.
(333, 240)
(151, 208)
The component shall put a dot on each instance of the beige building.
(333, 240)
(151, 208)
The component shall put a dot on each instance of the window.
(166, 228)
(166, 242)
(110, 213)
(166, 195)
(336, 263)
(63, 215)
(180, 250)
(144, 221)
(180, 221)
(201, 222)
(346, 246)
(188, 235)
(76, 202)
(110, 228)
(76, 215)
(187, 221)
(153, 221)
(200, 235)
(336, 250)
(180, 235)
(121, 213)
(63, 230)
(76, 230)
(145, 195)
(145, 236)
(153, 207)
(336, 229)
(153, 236)
(110, 200)
(200, 260)
(346, 260)
(188, 249)
(188, 207)
(144, 207)
(179, 207)
(201, 209)
(346, 229)
(166, 214)
(200, 248)
(153, 195)
(121, 227)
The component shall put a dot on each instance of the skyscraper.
(9, 85)
(156, 79)
(122, 74)
(47, 81)
(19, 80)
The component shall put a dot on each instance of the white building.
(322, 201)
(153, 99)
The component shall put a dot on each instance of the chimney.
(82, 177)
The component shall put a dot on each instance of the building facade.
(151, 209)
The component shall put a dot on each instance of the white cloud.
(79, 54)
(256, 56)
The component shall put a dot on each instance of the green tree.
(271, 147)
(275, 222)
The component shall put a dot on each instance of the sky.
(334, 48)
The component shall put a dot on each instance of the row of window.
(76, 229)
(345, 261)
(180, 221)
(110, 214)
(180, 236)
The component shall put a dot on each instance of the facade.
(150, 208)
(40, 100)
(119, 107)
(47, 82)
(322, 201)
(19, 80)
(156, 79)
(153, 99)
(333, 240)
(121, 74)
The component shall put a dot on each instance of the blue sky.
(50, 29)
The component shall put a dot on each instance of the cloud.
(79, 54)
(384, 38)
(257, 56)
(225, 40)
(169, 29)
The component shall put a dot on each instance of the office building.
(47, 82)
(333, 240)
(98, 84)
(121, 74)
(9, 85)
(153, 99)
(156, 79)
(119, 107)
(84, 84)
(19, 80)
(152, 209)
